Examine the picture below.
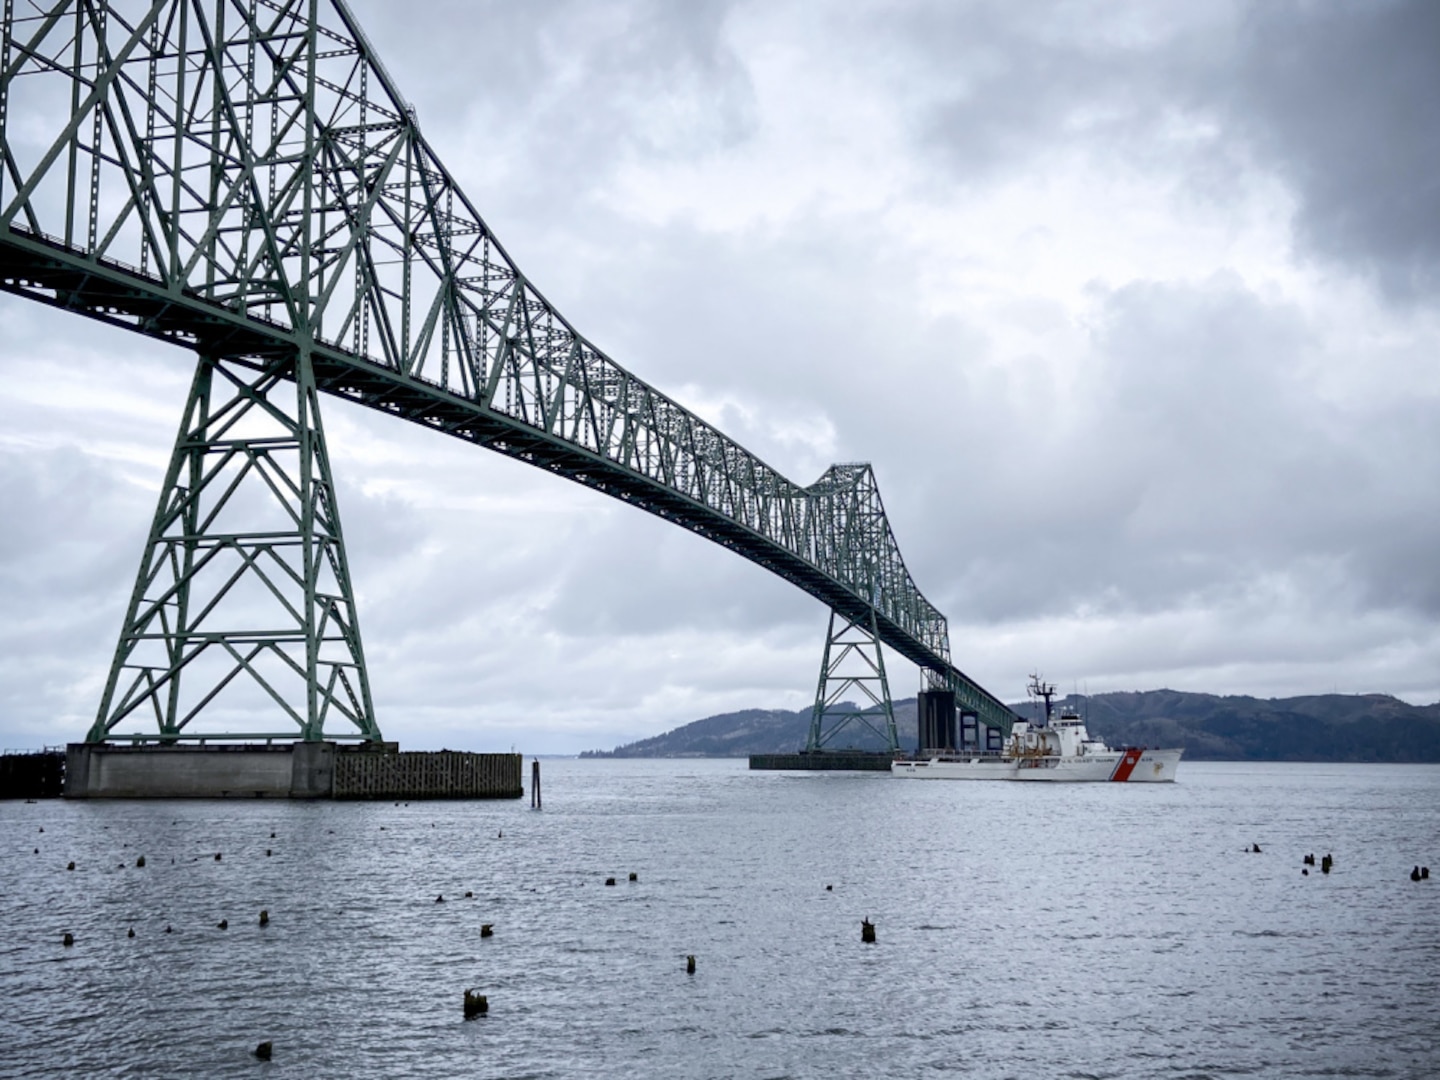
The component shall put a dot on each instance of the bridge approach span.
(242, 178)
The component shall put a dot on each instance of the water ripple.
(1085, 931)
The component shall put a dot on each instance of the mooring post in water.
(535, 784)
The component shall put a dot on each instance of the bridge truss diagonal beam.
(243, 178)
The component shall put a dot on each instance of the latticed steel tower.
(254, 590)
(243, 179)
(854, 663)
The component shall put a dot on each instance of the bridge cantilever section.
(242, 178)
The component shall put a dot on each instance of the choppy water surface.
(1024, 930)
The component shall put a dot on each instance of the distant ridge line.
(1211, 727)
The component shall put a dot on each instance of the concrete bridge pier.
(300, 770)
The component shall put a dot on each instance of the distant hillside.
(1325, 727)
(756, 731)
(1322, 727)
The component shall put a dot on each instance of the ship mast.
(1043, 690)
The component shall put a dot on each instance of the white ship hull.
(953, 768)
(1113, 766)
(1131, 766)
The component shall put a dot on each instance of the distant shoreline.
(1311, 729)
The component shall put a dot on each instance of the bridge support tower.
(935, 721)
(243, 604)
(853, 665)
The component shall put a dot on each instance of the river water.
(1023, 930)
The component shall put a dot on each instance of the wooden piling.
(535, 784)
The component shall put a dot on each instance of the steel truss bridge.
(243, 179)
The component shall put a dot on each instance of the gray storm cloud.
(1340, 100)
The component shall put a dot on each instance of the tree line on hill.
(1321, 727)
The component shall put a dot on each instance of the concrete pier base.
(317, 770)
(824, 761)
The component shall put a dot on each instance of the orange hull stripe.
(1126, 765)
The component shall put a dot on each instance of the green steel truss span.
(243, 178)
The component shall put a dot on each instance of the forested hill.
(755, 731)
(1323, 727)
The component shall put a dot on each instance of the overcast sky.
(1134, 307)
